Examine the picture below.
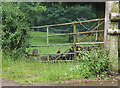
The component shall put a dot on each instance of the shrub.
(95, 63)
(16, 21)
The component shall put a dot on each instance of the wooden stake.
(47, 43)
(97, 33)
(107, 24)
(74, 30)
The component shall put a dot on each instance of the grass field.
(31, 72)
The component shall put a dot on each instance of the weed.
(96, 63)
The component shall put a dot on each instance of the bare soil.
(7, 82)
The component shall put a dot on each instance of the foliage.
(16, 26)
(96, 63)
(32, 11)
(57, 15)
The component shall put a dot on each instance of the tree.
(97, 7)
(32, 10)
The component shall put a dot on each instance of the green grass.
(31, 72)
(38, 40)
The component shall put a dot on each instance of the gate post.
(47, 42)
(74, 35)
(111, 40)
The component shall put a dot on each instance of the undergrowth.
(95, 63)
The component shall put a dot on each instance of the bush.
(16, 21)
(95, 63)
(15, 29)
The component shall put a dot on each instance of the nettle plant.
(96, 63)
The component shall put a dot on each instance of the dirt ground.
(7, 82)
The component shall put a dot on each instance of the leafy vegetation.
(15, 27)
(56, 15)
(94, 65)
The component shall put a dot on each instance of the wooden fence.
(75, 42)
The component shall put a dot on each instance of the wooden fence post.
(107, 23)
(47, 42)
(111, 40)
(97, 32)
(74, 35)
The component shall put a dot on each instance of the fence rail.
(81, 43)
(88, 43)
(87, 32)
(93, 20)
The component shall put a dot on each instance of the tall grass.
(32, 71)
